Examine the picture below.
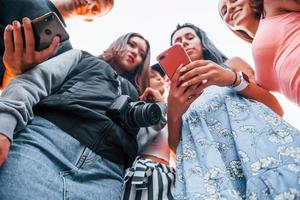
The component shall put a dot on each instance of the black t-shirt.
(11, 10)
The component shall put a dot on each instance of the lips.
(189, 50)
(131, 58)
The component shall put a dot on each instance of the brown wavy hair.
(139, 77)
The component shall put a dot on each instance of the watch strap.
(243, 84)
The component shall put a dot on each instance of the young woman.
(135, 66)
(273, 29)
(69, 148)
(151, 175)
(229, 146)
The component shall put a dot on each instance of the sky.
(155, 20)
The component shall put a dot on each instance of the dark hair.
(210, 51)
(258, 8)
(157, 68)
(139, 76)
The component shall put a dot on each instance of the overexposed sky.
(155, 20)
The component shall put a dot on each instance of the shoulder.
(278, 7)
(237, 63)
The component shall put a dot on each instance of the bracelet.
(235, 78)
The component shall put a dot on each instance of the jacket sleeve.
(2, 70)
(146, 135)
(26, 90)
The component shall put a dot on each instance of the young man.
(14, 12)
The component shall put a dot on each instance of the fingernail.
(9, 27)
(181, 78)
(25, 20)
(16, 23)
(57, 39)
(182, 69)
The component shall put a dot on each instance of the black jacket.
(73, 91)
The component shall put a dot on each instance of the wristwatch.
(244, 82)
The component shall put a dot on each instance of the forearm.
(253, 91)
(26, 90)
(257, 93)
(174, 128)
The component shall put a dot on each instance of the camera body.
(133, 115)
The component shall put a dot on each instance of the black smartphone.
(45, 28)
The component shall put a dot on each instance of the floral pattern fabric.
(235, 148)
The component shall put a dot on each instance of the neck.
(117, 69)
(251, 28)
(65, 7)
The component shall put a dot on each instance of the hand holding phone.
(20, 53)
(45, 28)
(172, 58)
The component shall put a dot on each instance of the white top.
(159, 146)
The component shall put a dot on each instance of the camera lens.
(152, 113)
(161, 57)
(48, 31)
(144, 115)
(48, 19)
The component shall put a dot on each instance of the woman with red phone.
(228, 144)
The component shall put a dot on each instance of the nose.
(185, 42)
(134, 51)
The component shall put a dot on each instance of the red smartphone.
(172, 58)
(45, 28)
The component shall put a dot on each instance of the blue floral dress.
(235, 148)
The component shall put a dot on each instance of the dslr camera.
(133, 115)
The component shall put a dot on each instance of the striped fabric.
(148, 180)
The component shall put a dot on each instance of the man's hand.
(20, 55)
(4, 148)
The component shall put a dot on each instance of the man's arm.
(20, 54)
(26, 90)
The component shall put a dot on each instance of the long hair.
(258, 12)
(139, 77)
(210, 51)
